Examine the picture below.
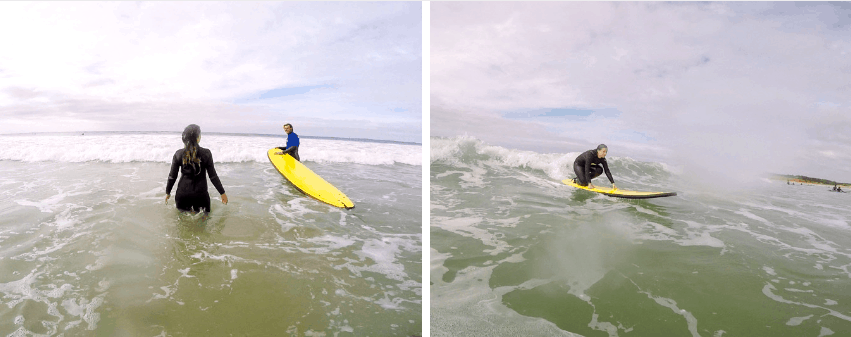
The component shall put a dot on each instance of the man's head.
(602, 150)
(288, 128)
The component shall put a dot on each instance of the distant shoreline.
(807, 180)
(71, 133)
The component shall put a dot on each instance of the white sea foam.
(330, 242)
(672, 304)
(768, 290)
(467, 226)
(382, 257)
(158, 147)
(695, 234)
(468, 306)
(384, 254)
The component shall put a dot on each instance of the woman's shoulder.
(204, 152)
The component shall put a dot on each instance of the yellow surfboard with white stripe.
(308, 182)
(619, 193)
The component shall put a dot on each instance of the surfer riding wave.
(587, 166)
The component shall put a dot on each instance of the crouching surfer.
(587, 166)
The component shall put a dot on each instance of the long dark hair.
(190, 148)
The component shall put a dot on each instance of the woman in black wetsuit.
(586, 168)
(195, 163)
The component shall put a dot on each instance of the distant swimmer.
(292, 142)
(586, 166)
(194, 163)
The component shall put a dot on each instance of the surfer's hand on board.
(279, 153)
(614, 187)
(225, 199)
(591, 186)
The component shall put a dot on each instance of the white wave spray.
(157, 147)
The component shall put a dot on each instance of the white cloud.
(210, 54)
(719, 85)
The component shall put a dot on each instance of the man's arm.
(287, 150)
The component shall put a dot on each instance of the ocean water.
(514, 252)
(88, 247)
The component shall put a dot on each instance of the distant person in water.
(292, 142)
(587, 166)
(194, 163)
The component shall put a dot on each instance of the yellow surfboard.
(308, 182)
(619, 193)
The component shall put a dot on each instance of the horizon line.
(223, 133)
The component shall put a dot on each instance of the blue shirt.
(292, 139)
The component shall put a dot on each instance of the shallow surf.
(516, 252)
(88, 245)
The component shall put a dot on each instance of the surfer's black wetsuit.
(191, 192)
(292, 150)
(586, 168)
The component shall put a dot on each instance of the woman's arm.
(608, 173)
(172, 176)
(211, 171)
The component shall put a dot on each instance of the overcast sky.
(715, 88)
(345, 69)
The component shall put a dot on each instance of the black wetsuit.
(191, 192)
(586, 168)
(292, 150)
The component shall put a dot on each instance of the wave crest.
(466, 150)
(123, 148)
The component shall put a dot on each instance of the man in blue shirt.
(292, 142)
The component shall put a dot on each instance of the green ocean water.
(88, 247)
(516, 253)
